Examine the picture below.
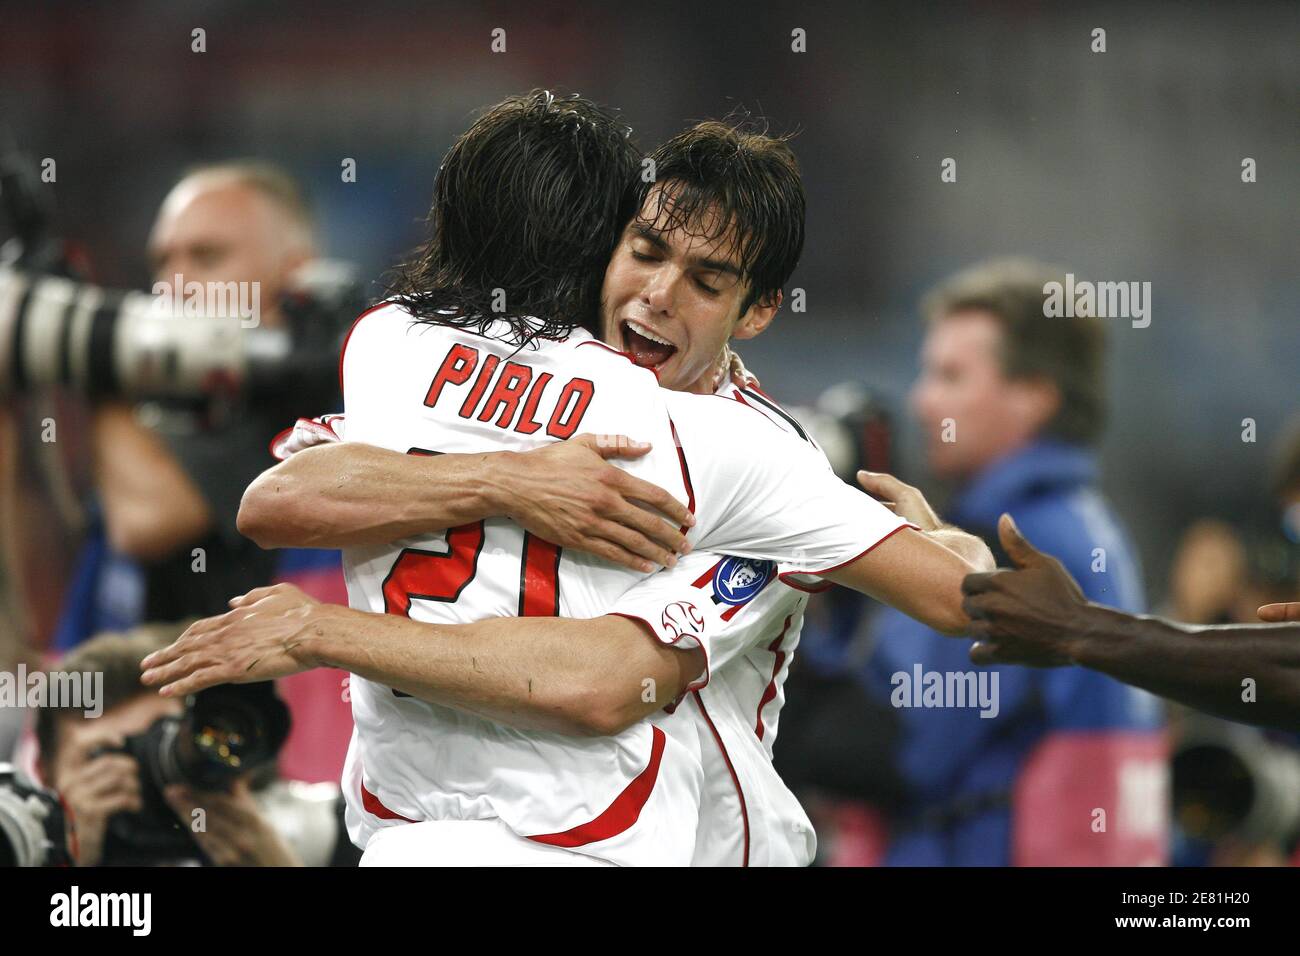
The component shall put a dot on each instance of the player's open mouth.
(647, 349)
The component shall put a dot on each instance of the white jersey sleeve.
(674, 605)
(766, 494)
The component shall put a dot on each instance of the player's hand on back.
(900, 498)
(569, 494)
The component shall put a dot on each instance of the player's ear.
(759, 317)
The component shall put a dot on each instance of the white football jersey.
(756, 492)
(748, 816)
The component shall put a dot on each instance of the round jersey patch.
(739, 579)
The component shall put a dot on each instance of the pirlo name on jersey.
(514, 396)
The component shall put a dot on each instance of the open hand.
(259, 639)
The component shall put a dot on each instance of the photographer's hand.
(258, 640)
(234, 832)
(95, 787)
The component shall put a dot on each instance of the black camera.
(226, 732)
(100, 343)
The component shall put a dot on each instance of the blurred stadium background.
(1124, 165)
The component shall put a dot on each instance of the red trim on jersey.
(279, 436)
(283, 433)
(539, 578)
(375, 806)
(769, 692)
(686, 472)
(801, 586)
(843, 564)
(347, 338)
(619, 815)
(703, 579)
(744, 810)
(732, 611)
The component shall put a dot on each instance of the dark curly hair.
(527, 207)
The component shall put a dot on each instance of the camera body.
(226, 732)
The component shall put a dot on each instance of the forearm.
(970, 548)
(151, 507)
(916, 573)
(349, 495)
(1202, 667)
(533, 674)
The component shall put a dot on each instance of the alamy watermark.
(1102, 300)
(211, 300)
(923, 688)
(69, 690)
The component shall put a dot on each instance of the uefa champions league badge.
(738, 579)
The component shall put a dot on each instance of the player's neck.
(714, 377)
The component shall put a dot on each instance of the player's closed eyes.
(703, 286)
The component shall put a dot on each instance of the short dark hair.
(1069, 352)
(530, 200)
(117, 657)
(752, 179)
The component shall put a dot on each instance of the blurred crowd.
(116, 535)
(888, 779)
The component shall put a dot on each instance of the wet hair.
(527, 207)
(721, 176)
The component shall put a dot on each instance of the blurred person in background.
(1208, 575)
(169, 480)
(1038, 615)
(1011, 404)
(260, 821)
(1235, 787)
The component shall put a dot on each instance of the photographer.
(172, 486)
(182, 395)
(258, 822)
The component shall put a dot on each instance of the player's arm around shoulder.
(338, 494)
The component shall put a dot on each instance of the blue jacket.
(961, 768)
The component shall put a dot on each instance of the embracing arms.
(579, 677)
(347, 494)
